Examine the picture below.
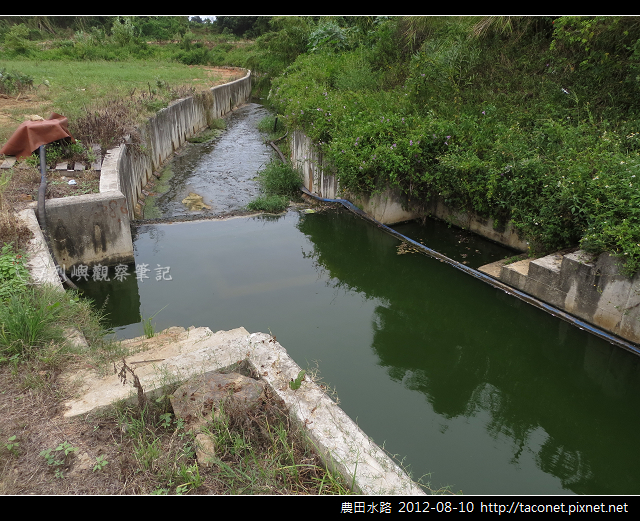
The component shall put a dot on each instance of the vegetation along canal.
(481, 390)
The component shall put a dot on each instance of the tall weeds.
(279, 183)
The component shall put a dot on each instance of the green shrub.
(194, 56)
(279, 179)
(267, 124)
(14, 82)
(273, 126)
(34, 319)
(29, 321)
(269, 204)
(123, 31)
(16, 40)
(279, 183)
(14, 274)
(328, 37)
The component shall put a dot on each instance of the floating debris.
(407, 248)
(195, 202)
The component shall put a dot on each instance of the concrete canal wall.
(391, 206)
(95, 228)
(319, 179)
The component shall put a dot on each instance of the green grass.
(34, 321)
(71, 88)
(279, 178)
(29, 320)
(273, 126)
(279, 183)
(256, 452)
(269, 204)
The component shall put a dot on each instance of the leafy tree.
(16, 39)
(243, 26)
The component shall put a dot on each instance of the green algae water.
(472, 388)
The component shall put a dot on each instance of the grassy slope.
(73, 87)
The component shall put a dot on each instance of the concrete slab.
(177, 354)
(8, 162)
(493, 269)
(515, 274)
(40, 264)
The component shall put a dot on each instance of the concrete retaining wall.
(319, 178)
(95, 228)
(90, 229)
(502, 234)
(589, 287)
(391, 206)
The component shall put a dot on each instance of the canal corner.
(589, 287)
(177, 354)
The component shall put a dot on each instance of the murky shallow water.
(221, 171)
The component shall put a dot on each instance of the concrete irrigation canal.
(463, 381)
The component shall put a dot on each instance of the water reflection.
(470, 348)
(486, 392)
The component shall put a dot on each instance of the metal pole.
(42, 190)
(42, 218)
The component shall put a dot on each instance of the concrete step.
(516, 273)
(177, 354)
(546, 269)
(493, 269)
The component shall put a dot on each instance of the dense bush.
(528, 120)
(12, 82)
(17, 41)
(532, 120)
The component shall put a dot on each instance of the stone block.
(8, 162)
(515, 274)
(546, 270)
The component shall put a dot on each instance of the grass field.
(72, 88)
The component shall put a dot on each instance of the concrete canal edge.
(591, 289)
(95, 229)
(338, 440)
(183, 354)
